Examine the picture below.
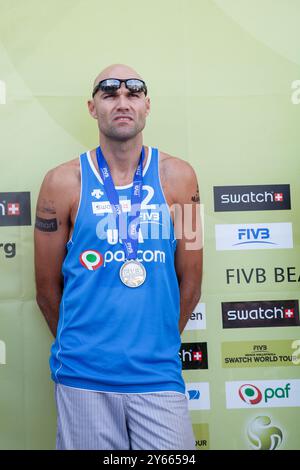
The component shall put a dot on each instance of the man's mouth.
(123, 118)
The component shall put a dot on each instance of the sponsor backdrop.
(224, 80)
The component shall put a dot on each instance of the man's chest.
(100, 205)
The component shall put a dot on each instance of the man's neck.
(122, 157)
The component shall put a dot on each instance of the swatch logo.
(194, 356)
(252, 198)
(264, 313)
(15, 209)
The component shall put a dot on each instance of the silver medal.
(132, 273)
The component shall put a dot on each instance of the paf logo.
(250, 394)
(263, 394)
(91, 259)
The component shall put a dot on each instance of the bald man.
(118, 261)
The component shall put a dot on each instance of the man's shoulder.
(63, 175)
(175, 167)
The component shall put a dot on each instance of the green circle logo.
(262, 435)
(91, 259)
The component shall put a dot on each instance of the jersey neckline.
(89, 157)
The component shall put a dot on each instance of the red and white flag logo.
(278, 197)
(288, 313)
(197, 356)
(13, 208)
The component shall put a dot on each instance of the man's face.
(121, 115)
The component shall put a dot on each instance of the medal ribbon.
(130, 243)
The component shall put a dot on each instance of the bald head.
(123, 99)
(116, 71)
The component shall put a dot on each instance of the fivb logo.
(261, 394)
(91, 259)
(105, 172)
(136, 190)
(254, 236)
(263, 435)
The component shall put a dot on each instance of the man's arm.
(188, 231)
(50, 236)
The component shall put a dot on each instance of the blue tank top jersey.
(112, 337)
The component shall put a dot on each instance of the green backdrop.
(221, 76)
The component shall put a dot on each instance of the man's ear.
(92, 108)
(148, 105)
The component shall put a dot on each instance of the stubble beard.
(122, 134)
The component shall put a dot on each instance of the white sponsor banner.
(2, 92)
(2, 352)
(254, 236)
(197, 320)
(197, 394)
(263, 394)
(104, 207)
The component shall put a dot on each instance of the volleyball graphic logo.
(250, 394)
(262, 435)
(91, 259)
(194, 394)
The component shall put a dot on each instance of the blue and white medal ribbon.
(132, 272)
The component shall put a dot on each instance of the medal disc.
(133, 273)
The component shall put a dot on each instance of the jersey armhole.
(173, 241)
(73, 235)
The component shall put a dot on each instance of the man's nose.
(123, 101)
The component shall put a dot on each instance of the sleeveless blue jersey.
(112, 337)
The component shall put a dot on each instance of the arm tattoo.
(46, 225)
(47, 207)
(196, 197)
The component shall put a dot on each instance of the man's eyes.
(114, 95)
